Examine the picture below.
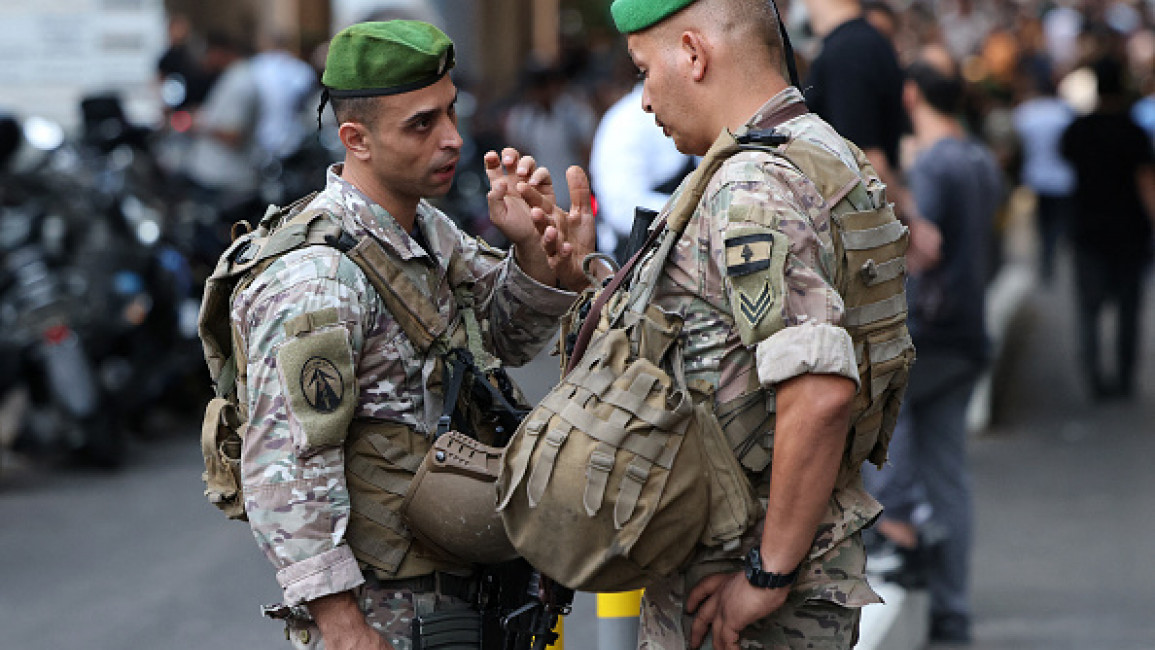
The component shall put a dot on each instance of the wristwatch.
(766, 579)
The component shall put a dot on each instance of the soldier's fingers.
(531, 196)
(541, 178)
(492, 166)
(540, 219)
(492, 160)
(724, 637)
(550, 242)
(579, 189)
(705, 588)
(702, 622)
(509, 157)
(525, 167)
(496, 198)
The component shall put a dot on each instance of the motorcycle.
(44, 307)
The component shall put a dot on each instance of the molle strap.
(310, 322)
(630, 489)
(391, 482)
(875, 274)
(543, 469)
(891, 349)
(860, 240)
(520, 461)
(601, 463)
(274, 215)
(410, 305)
(876, 311)
(295, 234)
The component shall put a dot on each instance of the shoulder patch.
(748, 253)
(322, 384)
(319, 379)
(755, 270)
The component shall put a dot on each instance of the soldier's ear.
(355, 137)
(695, 50)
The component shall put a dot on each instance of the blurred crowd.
(1052, 102)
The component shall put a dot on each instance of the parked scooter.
(44, 307)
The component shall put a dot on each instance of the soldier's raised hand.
(567, 237)
(510, 213)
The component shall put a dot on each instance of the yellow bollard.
(560, 629)
(618, 620)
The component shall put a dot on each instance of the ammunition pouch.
(451, 502)
(221, 435)
(450, 629)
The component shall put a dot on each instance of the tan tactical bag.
(623, 469)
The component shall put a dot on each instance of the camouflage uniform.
(296, 495)
(754, 187)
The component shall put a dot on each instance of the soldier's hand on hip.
(725, 603)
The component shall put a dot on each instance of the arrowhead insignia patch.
(317, 375)
(322, 384)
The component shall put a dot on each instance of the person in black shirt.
(855, 84)
(1114, 204)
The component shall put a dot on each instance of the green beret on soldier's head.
(386, 58)
(635, 15)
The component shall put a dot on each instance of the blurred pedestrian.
(958, 186)
(855, 84)
(220, 160)
(1111, 235)
(284, 83)
(1039, 121)
(632, 164)
(551, 123)
(181, 62)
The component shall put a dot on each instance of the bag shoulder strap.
(674, 223)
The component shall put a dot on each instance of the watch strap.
(767, 579)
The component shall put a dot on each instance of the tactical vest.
(869, 245)
(381, 458)
(602, 486)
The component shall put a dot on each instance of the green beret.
(635, 15)
(386, 58)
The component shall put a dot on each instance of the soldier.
(341, 399)
(767, 321)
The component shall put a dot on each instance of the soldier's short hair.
(362, 110)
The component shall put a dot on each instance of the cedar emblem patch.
(755, 266)
(748, 254)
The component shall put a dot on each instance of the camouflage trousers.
(388, 609)
(821, 612)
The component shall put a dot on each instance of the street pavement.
(1065, 518)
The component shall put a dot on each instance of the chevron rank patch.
(317, 376)
(755, 267)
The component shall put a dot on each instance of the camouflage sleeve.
(778, 262)
(522, 314)
(295, 492)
